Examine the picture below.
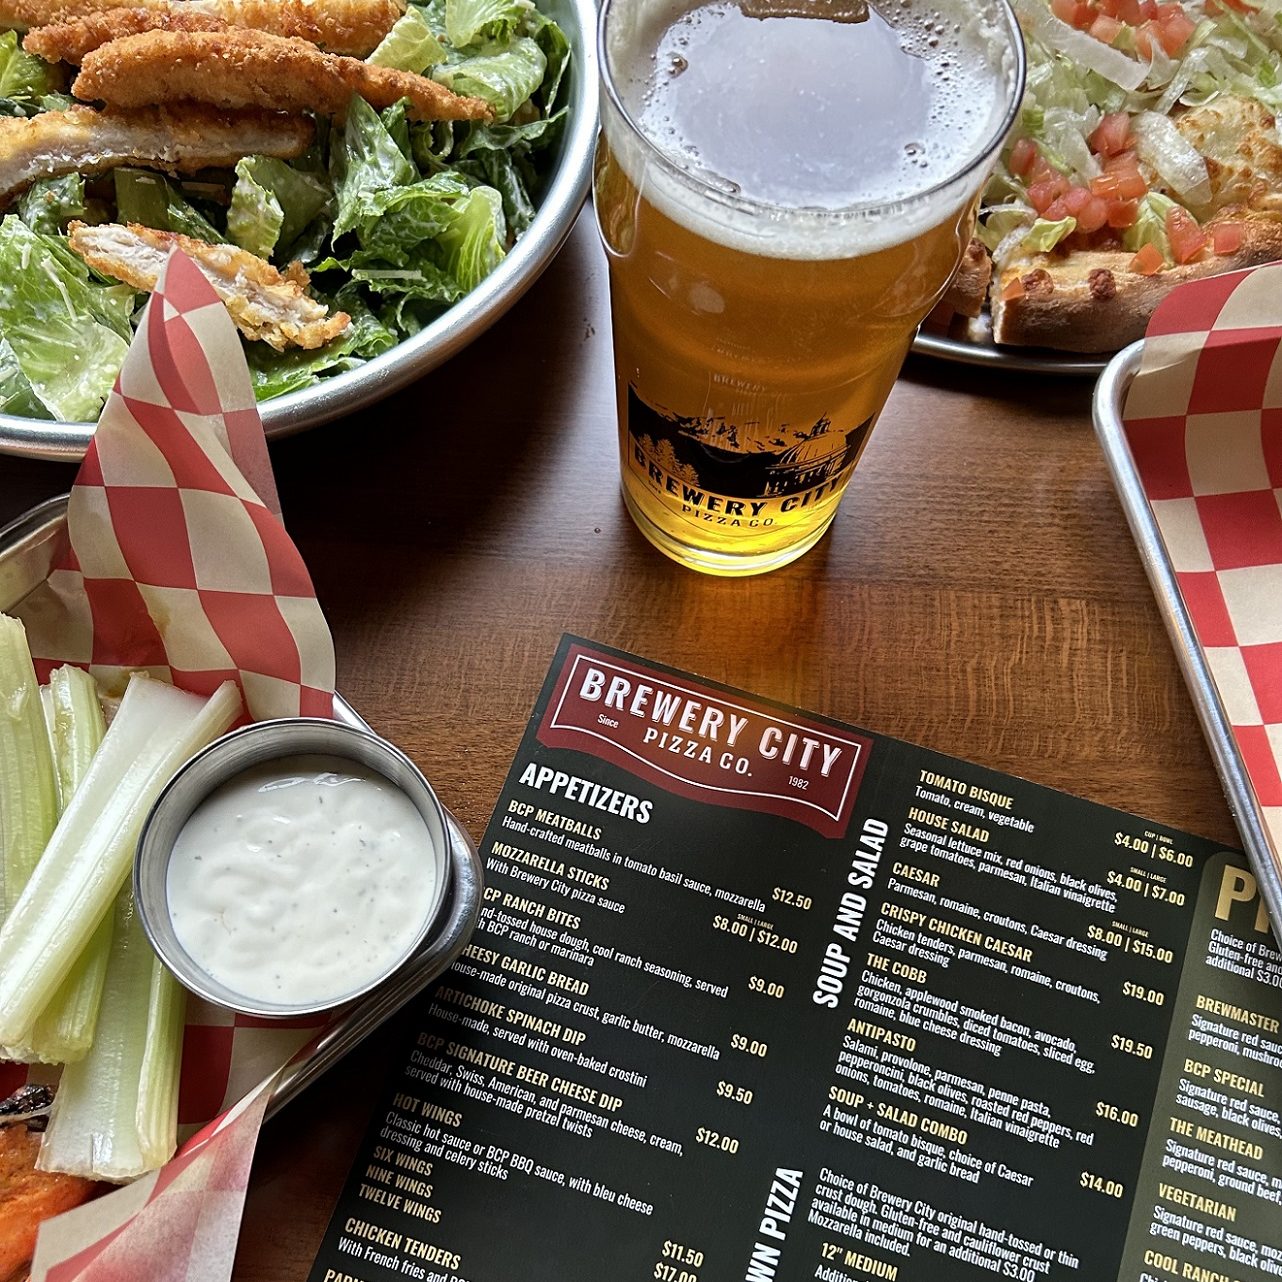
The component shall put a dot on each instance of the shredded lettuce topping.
(395, 220)
(1075, 80)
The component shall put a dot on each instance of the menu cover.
(756, 995)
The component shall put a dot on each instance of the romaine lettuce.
(468, 22)
(473, 242)
(55, 321)
(24, 78)
(151, 200)
(411, 45)
(505, 76)
(17, 396)
(364, 159)
(49, 204)
(272, 203)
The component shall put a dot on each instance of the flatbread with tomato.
(1147, 154)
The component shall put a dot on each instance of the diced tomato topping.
(1148, 8)
(1105, 28)
(1122, 162)
(1226, 238)
(1131, 12)
(1042, 195)
(1023, 156)
(1013, 288)
(1056, 210)
(1218, 6)
(1123, 213)
(1148, 38)
(1131, 186)
(1108, 7)
(1075, 199)
(1149, 261)
(1112, 135)
(1119, 186)
(1077, 13)
(1093, 216)
(1173, 15)
(1042, 172)
(1187, 239)
(1174, 27)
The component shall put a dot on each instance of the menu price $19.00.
(915, 1021)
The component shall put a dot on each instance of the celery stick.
(64, 1030)
(78, 725)
(28, 794)
(116, 1111)
(156, 1115)
(46, 706)
(91, 850)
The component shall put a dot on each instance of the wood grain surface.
(979, 594)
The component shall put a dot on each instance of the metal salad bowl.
(332, 397)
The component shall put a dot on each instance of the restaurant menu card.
(756, 995)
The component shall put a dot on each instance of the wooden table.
(978, 594)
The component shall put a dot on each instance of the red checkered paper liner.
(1204, 421)
(177, 564)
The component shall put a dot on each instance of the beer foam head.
(800, 137)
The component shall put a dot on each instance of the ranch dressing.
(301, 880)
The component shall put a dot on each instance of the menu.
(756, 995)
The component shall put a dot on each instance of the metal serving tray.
(1028, 360)
(1110, 398)
(27, 550)
(558, 207)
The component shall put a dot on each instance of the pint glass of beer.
(783, 193)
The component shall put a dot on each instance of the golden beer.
(782, 200)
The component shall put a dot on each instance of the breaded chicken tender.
(352, 27)
(238, 68)
(176, 139)
(265, 304)
(21, 15)
(69, 29)
(69, 41)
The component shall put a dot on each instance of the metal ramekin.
(229, 756)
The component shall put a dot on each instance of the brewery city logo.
(742, 461)
(700, 742)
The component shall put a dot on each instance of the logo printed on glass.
(693, 741)
(757, 467)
